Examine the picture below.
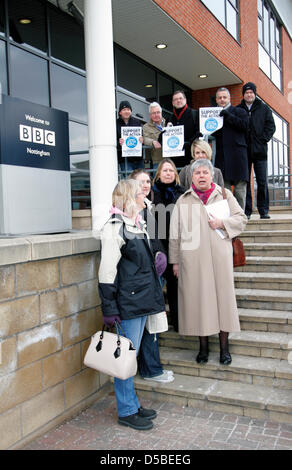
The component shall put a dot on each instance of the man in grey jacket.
(151, 132)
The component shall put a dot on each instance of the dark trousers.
(171, 289)
(260, 169)
(149, 358)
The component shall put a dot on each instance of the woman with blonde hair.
(129, 287)
(166, 191)
(199, 149)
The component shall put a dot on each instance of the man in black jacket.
(185, 116)
(231, 147)
(260, 131)
(126, 119)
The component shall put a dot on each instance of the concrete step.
(264, 299)
(268, 249)
(267, 264)
(256, 401)
(265, 320)
(277, 222)
(244, 369)
(247, 343)
(266, 236)
(271, 281)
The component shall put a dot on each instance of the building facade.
(208, 44)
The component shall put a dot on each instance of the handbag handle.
(117, 352)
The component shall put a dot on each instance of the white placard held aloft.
(210, 121)
(132, 147)
(173, 140)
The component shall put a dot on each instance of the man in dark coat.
(260, 130)
(231, 146)
(185, 116)
(126, 119)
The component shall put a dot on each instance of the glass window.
(264, 61)
(69, 92)
(2, 18)
(134, 75)
(27, 24)
(269, 43)
(78, 135)
(165, 92)
(67, 39)
(226, 11)
(231, 20)
(3, 71)
(29, 76)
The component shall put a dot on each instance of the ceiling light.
(203, 75)
(148, 85)
(161, 46)
(24, 20)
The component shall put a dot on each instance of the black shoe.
(149, 414)
(202, 357)
(136, 422)
(265, 216)
(225, 358)
(248, 217)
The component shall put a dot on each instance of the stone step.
(246, 343)
(264, 299)
(271, 281)
(266, 236)
(244, 369)
(268, 249)
(281, 223)
(265, 320)
(267, 264)
(256, 401)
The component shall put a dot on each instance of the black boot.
(202, 357)
(225, 357)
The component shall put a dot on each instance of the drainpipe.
(99, 56)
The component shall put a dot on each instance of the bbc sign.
(36, 135)
(33, 135)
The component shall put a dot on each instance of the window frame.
(236, 9)
(277, 44)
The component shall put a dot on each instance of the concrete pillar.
(99, 55)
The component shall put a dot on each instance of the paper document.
(219, 210)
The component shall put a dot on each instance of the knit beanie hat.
(249, 86)
(124, 104)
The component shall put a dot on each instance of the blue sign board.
(32, 135)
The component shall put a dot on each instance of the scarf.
(167, 190)
(178, 116)
(204, 195)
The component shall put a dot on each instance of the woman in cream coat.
(203, 262)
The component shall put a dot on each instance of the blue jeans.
(260, 169)
(127, 401)
(149, 357)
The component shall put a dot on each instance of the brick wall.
(241, 58)
(49, 308)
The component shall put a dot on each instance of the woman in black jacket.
(129, 287)
(149, 363)
(166, 191)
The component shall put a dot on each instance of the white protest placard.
(210, 121)
(132, 147)
(173, 141)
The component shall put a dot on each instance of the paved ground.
(175, 428)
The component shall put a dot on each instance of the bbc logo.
(37, 135)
